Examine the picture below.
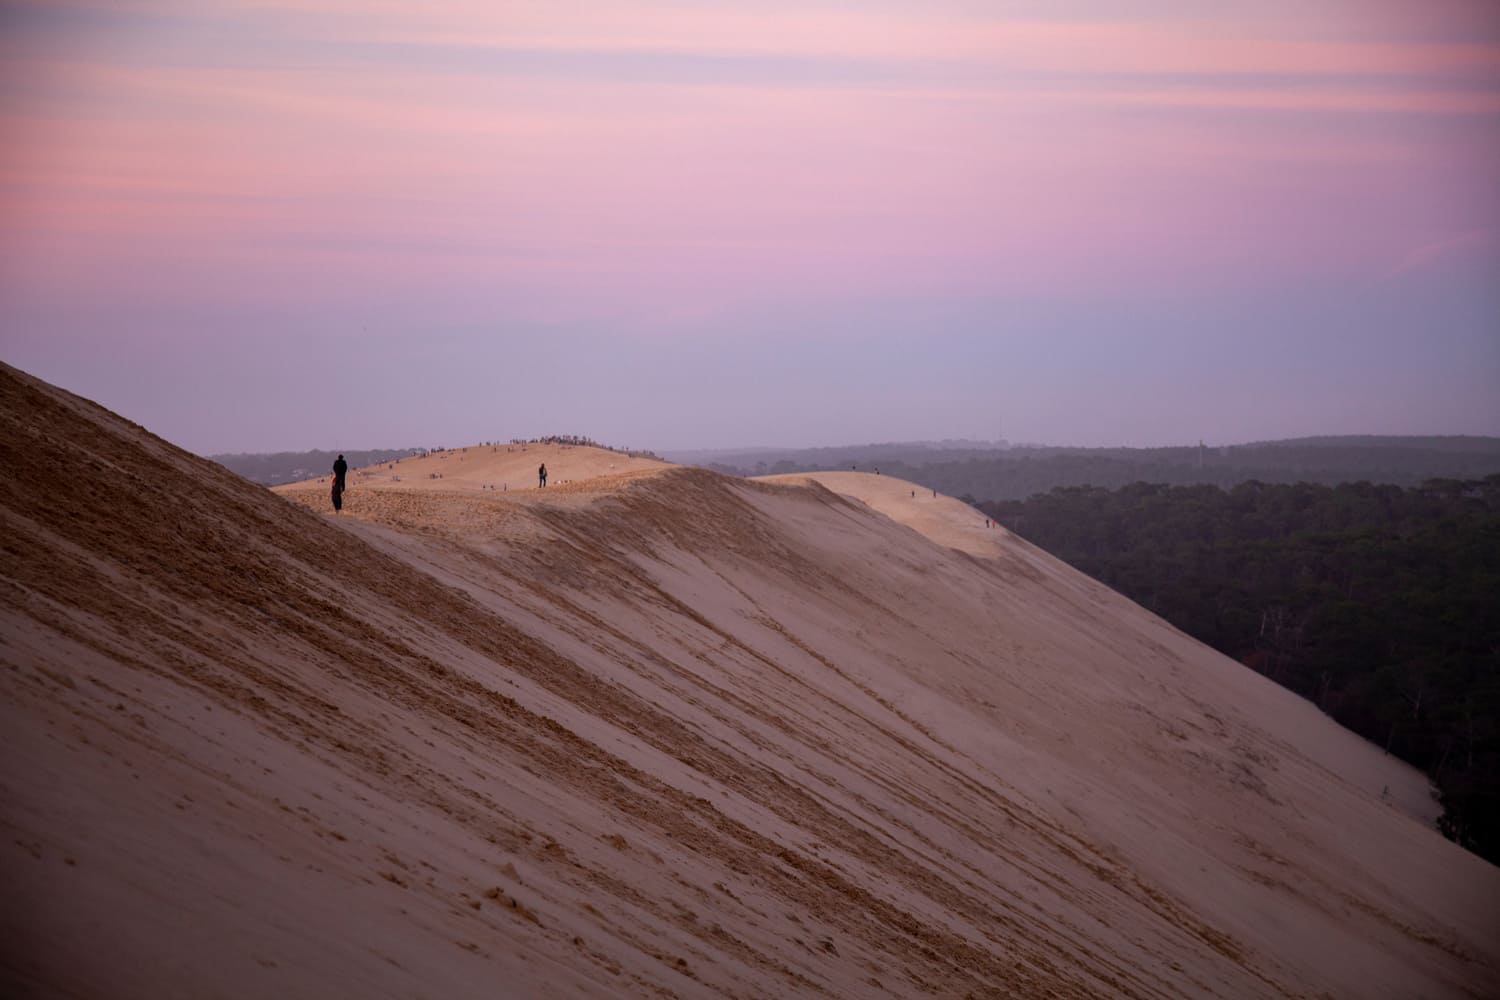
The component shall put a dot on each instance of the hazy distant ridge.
(997, 471)
(1015, 473)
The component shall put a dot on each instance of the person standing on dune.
(541, 476)
(340, 470)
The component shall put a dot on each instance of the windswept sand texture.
(653, 733)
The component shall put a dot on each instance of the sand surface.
(652, 732)
(949, 522)
(495, 468)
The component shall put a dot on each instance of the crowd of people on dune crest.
(579, 441)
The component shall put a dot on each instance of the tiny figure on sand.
(340, 470)
(541, 476)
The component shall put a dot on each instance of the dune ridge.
(652, 732)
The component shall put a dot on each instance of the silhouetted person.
(340, 469)
(541, 476)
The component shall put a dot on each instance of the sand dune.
(494, 467)
(661, 733)
(949, 522)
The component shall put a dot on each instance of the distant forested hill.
(292, 466)
(988, 472)
(1430, 442)
(1378, 603)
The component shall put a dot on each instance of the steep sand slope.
(677, 735)
(954, 524)
(949, 522)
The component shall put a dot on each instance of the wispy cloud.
(1463, 245)
(778, 147)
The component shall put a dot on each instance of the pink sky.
(669, 173)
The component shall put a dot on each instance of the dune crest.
(670, 733)
(491, 468)
(948, 522)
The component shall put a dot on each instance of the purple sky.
(257, 226)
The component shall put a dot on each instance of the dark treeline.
(999, 473)
(1381, 604)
